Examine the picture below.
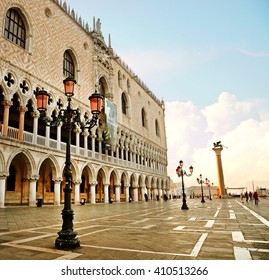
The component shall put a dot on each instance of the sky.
(209, 61)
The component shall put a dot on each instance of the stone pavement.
(221, 229)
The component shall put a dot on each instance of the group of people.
(249, 196)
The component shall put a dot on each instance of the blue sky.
(216, 45)
(209, 61)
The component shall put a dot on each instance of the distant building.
(195, 191)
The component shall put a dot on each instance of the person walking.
(250, 195)
(256, 197)
(246, 196)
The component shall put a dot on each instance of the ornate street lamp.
(69, 117)
(200, 181)
(181, 173)
(208, 184)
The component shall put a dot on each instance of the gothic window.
(157, 128)
(119, 79)
(68, 65)
(124, 104)
(144, 118)
(101, 88)
(128, 86)
(15, 29)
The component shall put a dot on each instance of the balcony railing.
(28, 137)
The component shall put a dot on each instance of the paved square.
(223, 229)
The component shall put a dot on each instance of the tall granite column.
(217, 149)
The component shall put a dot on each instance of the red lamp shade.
(178, 170)
(69, 85)
(96, 103)
(191, 169)
(42, 98)
(181, 163)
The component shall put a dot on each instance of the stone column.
(77, 131)
(127, 193)
(160, 193)
(154, 193)
(7, 104)
(117, 190)
(57, 191)
(59, 133)
(106, 186)
(47, 140)
(93, 144)
(3, 177)
(22, 111)
(77, 191)
(135, 191)
(218, 150)
(32, 190)
(35, 115)
(93, 200)
(85, 135)
(143, 191)
(99, 139)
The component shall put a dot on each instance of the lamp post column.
(184, 201)
(181, 173)
(67, 236)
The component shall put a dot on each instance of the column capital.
(84, 133)
(7, 103)
(33, 177)
(23, 109)
(3, 175)
(77, 182)
(217, 150)
(58, 180)
(35, 114)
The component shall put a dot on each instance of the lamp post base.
(67, 240)
(184, 207)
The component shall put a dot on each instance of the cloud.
(186, 130)
(226, 114)
(191, 133)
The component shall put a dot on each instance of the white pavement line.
(209, 223)
(32, 238)
(192, 219)
(68, 255)
(148, 227)
(198, 245)
(232, 214)
(134, 250)
(179, 228)
(259, 250)
(28, 229)
(242, 253)
(93, 232)
(262, 219)
(76, 223)
(139, 221)
(238, 236)
(148, 213)
(216, 214)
